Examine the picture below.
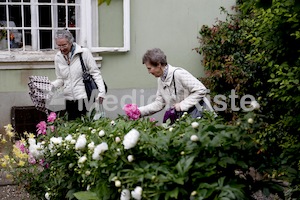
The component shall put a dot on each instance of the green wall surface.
(171, 25)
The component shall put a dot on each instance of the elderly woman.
(68, 71)
(177, 88)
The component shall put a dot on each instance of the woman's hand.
(101, 100)
(177, 106)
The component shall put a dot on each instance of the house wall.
(171, 25)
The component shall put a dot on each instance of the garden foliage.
(192, 159)
(256, 51)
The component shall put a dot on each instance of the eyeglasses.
(62, 46)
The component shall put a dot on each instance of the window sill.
(31, 60)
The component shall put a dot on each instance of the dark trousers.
(73, 109)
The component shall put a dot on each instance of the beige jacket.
(70, 76)
(189, 92)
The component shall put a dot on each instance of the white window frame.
(44, 59)
(87, 41)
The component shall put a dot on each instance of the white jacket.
(70, 76)
(189, 92)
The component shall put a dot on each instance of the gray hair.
(60, 34)
(155, 57)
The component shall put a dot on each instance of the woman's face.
(156, 71)
(63, 45)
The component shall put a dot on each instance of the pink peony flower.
(51, 117)
(152, 119)
(31, 159)
(132, 111)
(41, 128)
(52, 128)
(21, 146)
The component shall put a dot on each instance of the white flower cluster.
(36, 150)
(131, 139)
(136, 194)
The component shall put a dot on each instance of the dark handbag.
(89, 82)
(172, 114)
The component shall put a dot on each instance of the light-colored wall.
(172, 25)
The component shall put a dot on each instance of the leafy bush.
(192, 159)
(256, 51)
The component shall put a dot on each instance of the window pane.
(61, 13)
(60, 1)
(2, 0)
(44, 1)
(3, 39)
(27, 16)
(44, 16)
(15, 15)
(71, 1)
(27, 39)
(71, 15)
(15, 37)
(45, 39)
(3, 13)
(16, 0)
(26, 0)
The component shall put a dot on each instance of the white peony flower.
(36, 150)
(82, 159)
(125, 195)
(130, 158)
(91, 146)
(56, 140)
(118, 139)
(118, 183)
(47, 196)
(137, 193)
(130, 139)
(99, 149)
(69, 138)
(255, 105)
(195, 124)
(101, 133)
(81, 142)
(194, 138)
(250, 121)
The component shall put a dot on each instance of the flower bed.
(136, 159)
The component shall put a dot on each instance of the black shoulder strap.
(82, 63)
(174, 82)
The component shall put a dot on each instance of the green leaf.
(86, 195)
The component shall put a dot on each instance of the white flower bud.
(194, 193)
(93, 131)
(250, 121)
(195, 124)
(101, 133)
(47, 196)
(118, 183)
(194, 138)
(171, 129)
(130, 158)
(87, 173)
(118, 139)
(73, 141)
(255, 105)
